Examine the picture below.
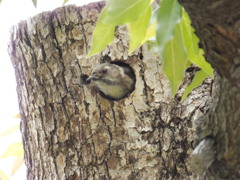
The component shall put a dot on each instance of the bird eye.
(104, 71)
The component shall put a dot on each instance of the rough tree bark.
(217, 23)
(70, 132)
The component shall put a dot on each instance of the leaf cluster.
(169, 26)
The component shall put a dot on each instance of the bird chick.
(114, 82)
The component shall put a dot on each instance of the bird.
(114, 81)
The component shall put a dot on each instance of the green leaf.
(175, 59)
(9, 130)
(65, 1)
(34, 3)
(154, 15)
(138, 29)
(124, 11)
(15, 149)
(151, 33)
(169, 15)
(195, 54)
(197, 81)
(0, 1)
(3, 175)
(17, 164)
(151, 30)
(103, 34)
(17, 116)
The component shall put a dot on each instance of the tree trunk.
(217, 25)
(70, 132)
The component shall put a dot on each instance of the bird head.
(106, 72)
(114, 82)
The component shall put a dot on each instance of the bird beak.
(92, 78)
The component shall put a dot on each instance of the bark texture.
(217, 24)
(70, 132)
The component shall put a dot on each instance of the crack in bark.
(145, 90)
(84, 35)
(113, 113)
